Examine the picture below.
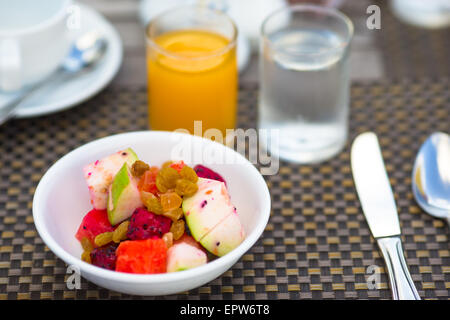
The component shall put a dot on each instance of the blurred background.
(399, 49)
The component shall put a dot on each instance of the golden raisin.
(169, 177)
(177, 229)
(145, 195)
(155, 206)
(86, 244)
(86, 256)
(174, 215)
(186, 188)
(189, 174)
(160, 185)
(168, 239)
(103, 238)
(138, 168)
(121, 232)
(170, 201)
(166, 164)
(151, 202)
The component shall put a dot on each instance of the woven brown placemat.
(317, 244)
(410, 51)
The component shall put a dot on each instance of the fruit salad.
(149, 219)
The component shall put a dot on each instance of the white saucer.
(60, 96)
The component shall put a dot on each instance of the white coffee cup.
(34, 39)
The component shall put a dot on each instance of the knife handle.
(402, 285)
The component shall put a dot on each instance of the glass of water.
(305, 85)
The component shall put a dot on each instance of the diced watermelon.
(94, 223)
(142, 256)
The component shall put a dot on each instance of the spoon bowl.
(85, 52)
(431, 176)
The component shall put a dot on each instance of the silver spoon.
(431, 176)
(85, 52)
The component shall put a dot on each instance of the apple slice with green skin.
(207, 207)
(124, 196)
(185, 254)
(226, 236)
(100, 174)
(212, 218)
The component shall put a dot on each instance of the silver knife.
(377, 201)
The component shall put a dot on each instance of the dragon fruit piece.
(105, 257)
(204, 172)
(147, 225)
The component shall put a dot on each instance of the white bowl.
(62, 199)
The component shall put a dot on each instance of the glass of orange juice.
(192, 70)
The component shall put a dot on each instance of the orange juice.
(192, 75)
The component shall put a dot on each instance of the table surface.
(317, 244)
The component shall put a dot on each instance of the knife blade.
(379, 208)
(373, 187)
